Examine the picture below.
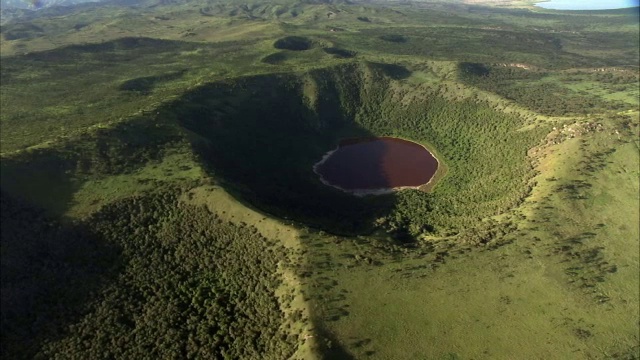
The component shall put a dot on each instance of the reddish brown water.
(377, 163)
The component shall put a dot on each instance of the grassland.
(158, 194)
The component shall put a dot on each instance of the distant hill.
(39, 4)
(25, 10)
(14, 9)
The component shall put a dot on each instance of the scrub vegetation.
(158, 196)
(531, 89)
(181, 282)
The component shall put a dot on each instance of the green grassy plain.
(155, 135)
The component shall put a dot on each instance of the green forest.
(178, 280)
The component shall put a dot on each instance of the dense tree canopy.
(184, 284)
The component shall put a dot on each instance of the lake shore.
(374, 191)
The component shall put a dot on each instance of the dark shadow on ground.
(294, 43)
(394, 71)
(145, 85)
(49, 270)
(261, 136)
(330, 347)
(49, 177)
(275, 58)
(395, 38)
(41, 178)
(340, 53)
(19, 31)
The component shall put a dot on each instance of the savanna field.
(159, 198)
